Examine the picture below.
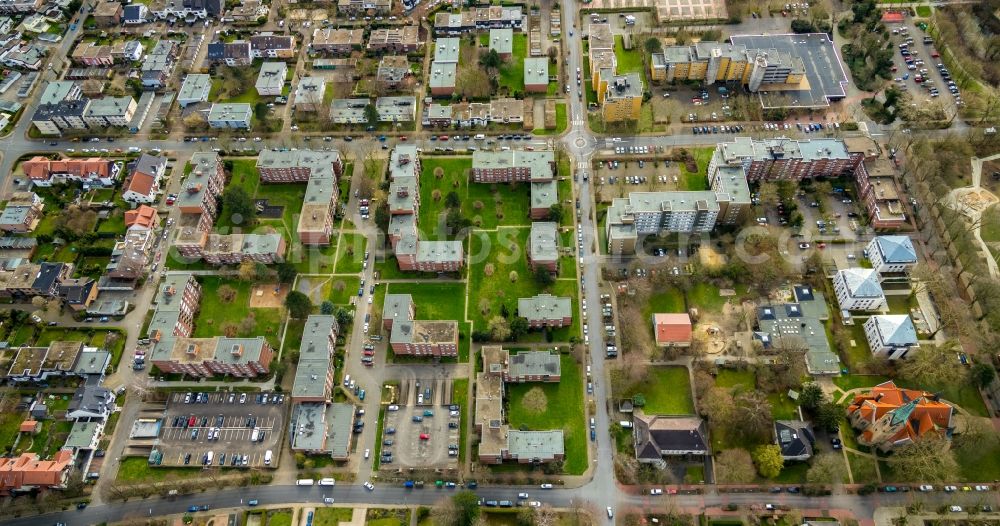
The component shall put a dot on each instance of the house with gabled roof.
(658, 436)
(889, 416)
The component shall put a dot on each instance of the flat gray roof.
(544, 241)
(535, 444)
(447, 50)
(544, 307)
(820, 59)
(536, 70)
(315, 356)
(534, 363)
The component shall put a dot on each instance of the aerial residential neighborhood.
(425, 263)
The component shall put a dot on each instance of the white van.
(327, 482)
(626, 424)
(267, 457)
(208, 458)
(304, 482)
(480, 136)
(254, 434)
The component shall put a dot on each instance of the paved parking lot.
(408, 449)
(224, 426)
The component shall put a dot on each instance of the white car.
(926, 487)
(535, 504)
(368, 453)
(981, 488)
(327, 500)
(392, 407)
(656, 491)
(546, 486)
(950, 489)
(955, 509)
(369, 486)
(522, 495)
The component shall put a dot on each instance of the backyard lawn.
(561, 122)
(282, 517)
(508, 205)
(245, 175)
(215, 315)
(629, 60)
(504, 251)
(313, 259)
(460, 397)
(512, 73)
(332, 516)
(697, 180)
(667, 300)
(667, 391)
(287, 196)
(732, 378)
(554, 406)
(138, 470)
(350, 253)
(343, 288)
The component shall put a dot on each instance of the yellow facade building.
(711, 62)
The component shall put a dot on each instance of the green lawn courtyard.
(512, 73)
(497, 257)
(629, 60)
(351, 253)
(439, 301)
(543, 406)
(216, 316)
(667, 391)
(486, 206)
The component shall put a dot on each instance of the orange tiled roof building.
(27, 472)
(889, 417)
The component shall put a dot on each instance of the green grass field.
(732, 378)
(138, 470)
(667, 300)
(667, 391)
(563, 409)
(214, 314)
(487, 206)
(697, 180)
(332, 516)
(282, 517)
(512, 73)
(288, 196)
(351, 253)
(245, 175)
(460, 397)
(629, 60)
(989, 227)
(504, 250)
(562, 122)
(313, 259)
(342, 289)
(923, 11)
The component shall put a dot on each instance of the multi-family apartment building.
(392, 71)
(177, 303)
(314, 372)
(498, 442)
(93, 171)
(879, 192)
(271, 79)
(234, 115)
(267, 45)
(891, 335)
(206, 357)
(513, 166)
(783, 158)
(22, 213)
(28, 471)
(109, 112)
(408, 336)
(230, 53)
(712, 62)
(363, 7)
(194, 89)
(546, 310)
(891, 254)
(405, 39)
(478, 19)
(320, 171)
(858, 289)
(337, 41)
(543, 246)
(202, 188)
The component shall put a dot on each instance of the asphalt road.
(274, 495)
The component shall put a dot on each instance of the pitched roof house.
(890, 416)
(658, 436)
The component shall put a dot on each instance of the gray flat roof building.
(545, 307)
(396, 109)
(534, 364)
(535, 445)
(315, 366)
(544, 194)
(349, 111)
(536, 71)
(799, 325)
(543, 243)
(194, 89)
(502, 40)
(443, 75)
(447, 50)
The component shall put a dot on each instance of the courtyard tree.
(327, 307)
(452, 200)
(982, 374)
(371, 114)
(653, 45)
(734, 466)
(826, 468)
(344, 316)
(298, 304)
(768, 460)
(286, 272)
(543, 276)
(473, 83)
(491, 60)
(74, 221)
(247, 270)
(928, 459)
(750, 416)
(499, 329)
(240, 205)
(933, 365)
(827, 415)
(556, 213)
(226, 293)
(811, 396)
(519, 326)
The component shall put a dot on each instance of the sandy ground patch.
(268, 295)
